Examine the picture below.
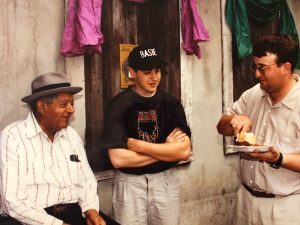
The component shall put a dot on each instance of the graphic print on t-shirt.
(147, 126)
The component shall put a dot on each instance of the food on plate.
(246, 142)
(246, 139)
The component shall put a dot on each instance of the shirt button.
(259, 138)
(251, 167)
(251, 181)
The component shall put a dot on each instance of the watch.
(278, 163)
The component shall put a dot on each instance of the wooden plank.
(158, 24)
(130, 30)
(107, 68)
(94, 110)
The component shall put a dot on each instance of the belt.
(61, 208)
(258, 194)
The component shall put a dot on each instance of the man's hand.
(176, 135)
(93, 218)
(133, 144)
(271, 156)
(240, 123)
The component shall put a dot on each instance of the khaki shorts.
(150, 199)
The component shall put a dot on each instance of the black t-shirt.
(149, 119)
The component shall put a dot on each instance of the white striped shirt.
(37, 173)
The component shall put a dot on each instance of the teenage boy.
(146, 135)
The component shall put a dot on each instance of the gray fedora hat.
(50, 83)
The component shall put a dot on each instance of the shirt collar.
(62, 132)
(291, 99)
(33, 128)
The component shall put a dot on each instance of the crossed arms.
(141, 153)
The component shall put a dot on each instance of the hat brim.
(151, 64)
(30, 98)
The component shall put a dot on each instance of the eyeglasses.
(260, 68)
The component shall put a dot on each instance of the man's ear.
(41, 107)
(287, 67)
(132, 73)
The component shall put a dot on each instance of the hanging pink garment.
(193, 30)
(138, 1)
(82, 30)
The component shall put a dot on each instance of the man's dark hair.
(48, 99)
(283, 46)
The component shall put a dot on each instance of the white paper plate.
(241, 148)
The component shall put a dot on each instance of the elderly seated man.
(45, 175)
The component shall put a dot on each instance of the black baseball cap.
(145, 57)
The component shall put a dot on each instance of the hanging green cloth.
(237, 20)
(263, 10)
(237, 12)
(287, 23)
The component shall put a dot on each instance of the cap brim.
(33, 97)
(152, 64)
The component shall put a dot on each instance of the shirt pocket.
(75, 165)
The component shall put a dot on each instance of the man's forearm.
(169, 152)
(31, 215)
(291, 162)
(124, 158)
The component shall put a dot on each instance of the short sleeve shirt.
(150, 119)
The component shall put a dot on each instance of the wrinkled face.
(268, 73)
(146, 82)
(56, 115)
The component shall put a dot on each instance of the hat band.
(51, 86)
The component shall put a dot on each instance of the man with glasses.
(270, 190)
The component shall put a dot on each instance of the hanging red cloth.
(82, 32)
(193, 29)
